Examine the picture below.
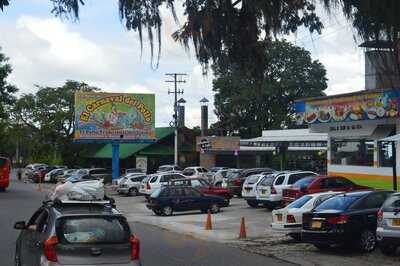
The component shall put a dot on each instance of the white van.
(154, 182)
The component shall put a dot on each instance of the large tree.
(251, 105)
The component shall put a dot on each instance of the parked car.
(67, 173)
(215, 169)
(388, 230)
(134, 170)
(195, 171)
(31, 168)
(130, 184)
(289, 220)
(53, 175)
(346, 219)
(169, 199)
(219, 176)
(169, 168)
(203, 186)
(5, 168)
(76, 233)
(249, 189)
(269, 190)
(39, 174)
(125, 176)
(316, 184)
(234, 181)
(155, 181)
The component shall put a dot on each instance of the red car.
(203, 186)
(316, 184)
(5, 167)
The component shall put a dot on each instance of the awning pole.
(115, 161)
(394, 165)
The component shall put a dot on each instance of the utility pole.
(176, 78)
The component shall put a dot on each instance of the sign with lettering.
(125, 117)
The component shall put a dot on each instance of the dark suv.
(234, 181)
(76, 233)
(346, 219)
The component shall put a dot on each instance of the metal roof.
(289, 135)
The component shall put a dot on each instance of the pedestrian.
(19, 174)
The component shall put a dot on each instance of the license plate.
(279, 217)
(263, 191)
(396, 222)
(316, 224)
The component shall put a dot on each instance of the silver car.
(130, 185)
(76, 233)
(388, 230)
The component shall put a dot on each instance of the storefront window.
(352, 152)
(385, 154)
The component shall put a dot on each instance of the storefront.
(356, 123)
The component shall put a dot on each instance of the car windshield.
(252, 179)
(392, 204)
(96, 230)
(304, 182)
(299, 202)
(340, 202)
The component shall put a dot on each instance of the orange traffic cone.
(208, 222)
(242, 233)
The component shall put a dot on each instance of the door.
(279, 183)
(177, 198)
(33, 238)
(193, 200)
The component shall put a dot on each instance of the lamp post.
(204, 116)
(181, 112)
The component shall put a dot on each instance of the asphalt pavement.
(158, 246)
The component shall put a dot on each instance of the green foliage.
(251, 105)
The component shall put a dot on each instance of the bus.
(5, 167)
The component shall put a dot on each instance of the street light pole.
(177, 78)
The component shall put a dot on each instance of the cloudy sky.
(47, 51)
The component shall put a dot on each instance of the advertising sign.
(217, 143)
(362, 106)
(141, 163)
(114, 116)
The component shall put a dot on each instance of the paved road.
(159, 247)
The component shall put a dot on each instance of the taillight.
(290, 219)
(148, 186)
(135, 247)
(380, 215)
(273, 190)
(341, 219)
(50, 248)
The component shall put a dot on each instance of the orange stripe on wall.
(363, 176)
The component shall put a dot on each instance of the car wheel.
(295, 236)
(214, 208)
(367, 241)
(252, 204)
(322, 246)
(157, 212)
(167, 211)
(133, 192)
(388, 250)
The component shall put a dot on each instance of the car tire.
(322, 247)
(295, 236)
(367, 242)
(167, 210)
(214, 208)
(388, 250)
(133, 192)
(252, 203)
(157, 212)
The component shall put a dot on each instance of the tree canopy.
(250, 105)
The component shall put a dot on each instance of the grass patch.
(376, 183)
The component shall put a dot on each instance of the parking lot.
(260, 238)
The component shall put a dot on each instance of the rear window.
(337, 203)
(268, 180)
(93, 230)
(252, 179)
(299, 202)
(392, 204)
(304, 182)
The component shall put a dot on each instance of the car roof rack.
(58, 202)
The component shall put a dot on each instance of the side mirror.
(20, 225)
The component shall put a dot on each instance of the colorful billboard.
(126, 117)
(367, 105)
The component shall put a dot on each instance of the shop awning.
(392, 138)
(126, 150)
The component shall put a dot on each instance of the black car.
(346, 219)
(169, 199)
(76, 233)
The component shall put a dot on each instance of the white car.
(169, 168)
(249, 189)
(126, 176)
(219, 176)
(196, 171)
(53, 174)
(154, 182)
(290, 219)
(130, 185)
(269, 191)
